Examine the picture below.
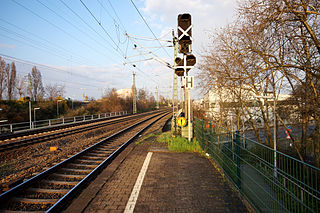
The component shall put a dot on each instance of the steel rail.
(55, 205)
(55, 127)
(47, 137)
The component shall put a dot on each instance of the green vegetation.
(180, 144)
(164, 137)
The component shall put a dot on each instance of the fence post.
(49, 122)
(62, 120)
(74, 119)
(175, 126)
(238, 163)
(202, 134)
(11, 128)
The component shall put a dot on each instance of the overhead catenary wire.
(34, 44)
(99, 23)
(56, 26)
(49, 67)
(149, 28)
(156, 57)
(73, 25)
(54, 45)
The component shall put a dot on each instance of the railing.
(23, 126)
(282, 185)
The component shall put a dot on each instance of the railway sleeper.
(104, 150)
(101, 152)
(81, 166)
(41, 195)
(97, 158)
(48, 191)
(75, 170)
(97, 154)
(92, 162)
(60, 182)
(66, 176)
(34, 201)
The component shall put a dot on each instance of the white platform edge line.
(136, 189)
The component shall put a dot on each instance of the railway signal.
(184, 32)
(190, 62)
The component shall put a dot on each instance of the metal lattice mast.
(157, 97)
(175, 82)
(134, 94)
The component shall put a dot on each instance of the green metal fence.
(270, 180)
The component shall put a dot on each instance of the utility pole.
(175, 82)
(157, 97)
(30, 116)
(134, 94)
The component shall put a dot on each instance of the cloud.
(8, 46)
(207, 15)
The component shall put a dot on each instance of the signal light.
(179, 62)
(184, 32)
(191, 61)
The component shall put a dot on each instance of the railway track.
(51, 190)
(46, 136)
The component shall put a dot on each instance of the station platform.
(146, 177)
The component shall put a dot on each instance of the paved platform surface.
(174, 182)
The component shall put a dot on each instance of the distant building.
(124, 93)
(220, 104)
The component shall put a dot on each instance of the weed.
(164, 137)
(180, 144)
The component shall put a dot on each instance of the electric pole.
(157, 97)
(134, 94)
(175, 82)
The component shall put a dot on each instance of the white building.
(221, 104)
(124, 93)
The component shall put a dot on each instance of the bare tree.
(54, 91)
(21, 85)
(11, 75)
(273, 47)
(35, 87)
(2, 77)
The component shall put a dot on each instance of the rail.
(24, 126)
(93, 159)
(284, 185)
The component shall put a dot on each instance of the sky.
(88, 46)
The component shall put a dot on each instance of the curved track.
(52, 189)
(46, 136)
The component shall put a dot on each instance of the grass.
(181, 144)
(177, 144)
(165, 137)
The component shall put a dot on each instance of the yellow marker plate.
(181, 121)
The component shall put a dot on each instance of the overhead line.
(75, 38)
(47, 41)
(71, 23)
(88, 25)
(117, 47)
(48, 67)
(149, 28)
(117, 16)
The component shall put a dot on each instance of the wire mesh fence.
(270, 180)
